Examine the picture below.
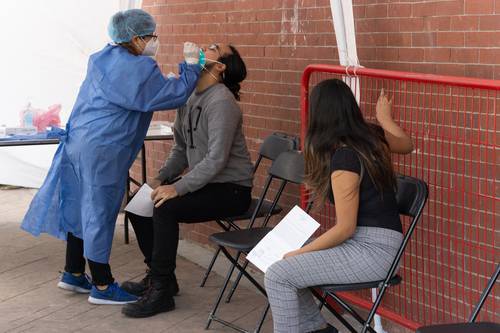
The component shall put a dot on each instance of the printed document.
(290, 234)
(141, 204)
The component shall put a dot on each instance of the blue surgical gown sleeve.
(136, 83)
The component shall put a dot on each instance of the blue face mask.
(203, 59)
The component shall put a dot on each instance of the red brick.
(424, 9)
(484, 39)
(437, 23)
(377, 10)
(450, 38)
(464, 23)
(423, 68)
(496, 76)
(385, 54)
(411, 24)
(410, 54)
(480, 7)
(373, 39)
(480, 71)
(424, 39)
(449, 8)
(437, 54)
(489, 56)
(399, 39)
(489, 22)
(466, 56)
(399, 10)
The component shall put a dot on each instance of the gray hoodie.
(209, 141)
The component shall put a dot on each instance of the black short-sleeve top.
(375, 209)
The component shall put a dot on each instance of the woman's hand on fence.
(383, 108)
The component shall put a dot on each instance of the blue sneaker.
(111, 295)
(79, 284)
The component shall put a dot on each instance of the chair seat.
(241, 240)
(461, 328)
(358, 286)
(266, 207)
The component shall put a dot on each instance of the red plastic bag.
(44, 119)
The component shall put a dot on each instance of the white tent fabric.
(345, 34)
(46, 45)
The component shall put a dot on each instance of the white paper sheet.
(290, 234)
(141, 204)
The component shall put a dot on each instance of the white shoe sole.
(70, 287)
(100, 301)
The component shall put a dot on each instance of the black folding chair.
(287, 168)
(270, 149)
(411, 196)
(471, 326)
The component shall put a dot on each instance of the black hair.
(335, 120)
(235, 72)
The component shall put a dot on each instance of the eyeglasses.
(215, 47)
(153, 37)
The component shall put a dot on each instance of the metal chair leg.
(209, 268)
(263, 317)
(236, 283)
(221, 293)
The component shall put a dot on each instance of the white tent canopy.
(46, 45)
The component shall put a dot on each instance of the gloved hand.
(191, 53)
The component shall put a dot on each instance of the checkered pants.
(366, 256)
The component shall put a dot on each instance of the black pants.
(75, 262)
(158, 236)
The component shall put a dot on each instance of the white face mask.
(151, 47)
(208, 71)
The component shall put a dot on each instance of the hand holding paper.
(290, 234)
(141, 204)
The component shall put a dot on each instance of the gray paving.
(31, 302)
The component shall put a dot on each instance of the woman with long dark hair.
(347, 161)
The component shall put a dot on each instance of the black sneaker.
(139, 288)
(328, 329)
(153, 302)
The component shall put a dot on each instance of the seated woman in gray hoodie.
(210, 144)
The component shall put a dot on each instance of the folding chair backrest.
(289, 166)
(411, 195)
(274, 145)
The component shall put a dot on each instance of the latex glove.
(191, 53)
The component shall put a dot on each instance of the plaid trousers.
(366, 256)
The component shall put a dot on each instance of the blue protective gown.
(85, 185)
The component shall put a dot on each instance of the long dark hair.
(335, 120)
(235, 72)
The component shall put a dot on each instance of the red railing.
(453, 122)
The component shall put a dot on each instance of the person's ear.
(221, 67)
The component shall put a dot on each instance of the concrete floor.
(31, 302)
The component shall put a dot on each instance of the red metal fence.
(453, 122)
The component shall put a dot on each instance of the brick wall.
(279, 38)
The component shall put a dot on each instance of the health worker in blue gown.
(81, 196)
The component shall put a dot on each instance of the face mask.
(204, 60)
(151, 47)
